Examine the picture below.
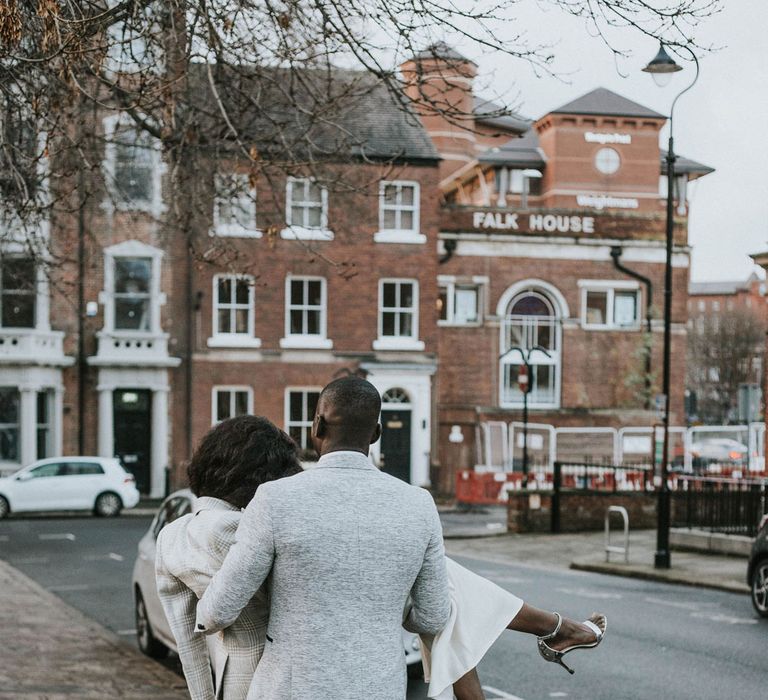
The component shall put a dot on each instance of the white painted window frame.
(310, 341)
(450, 283)
(400, 235)
(610, 287)
(300, 231)
(231, 389)
(114, 200)
(399, 342)
(220, 339)
(245, 199)
(132, 249)
(307, 420)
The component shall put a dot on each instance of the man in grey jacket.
(347, 545)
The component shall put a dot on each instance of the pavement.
(485, 532)
(56, 653)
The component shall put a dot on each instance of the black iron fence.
(729, 506)
(733, 507)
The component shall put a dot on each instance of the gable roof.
(521, 152)
(721, 287)
(343, 113)
(495, 115)
(606, 102)
(685, 166)
(441, 50)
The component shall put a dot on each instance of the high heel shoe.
(550, 654)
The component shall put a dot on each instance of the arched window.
(395, 395)
(531, 326)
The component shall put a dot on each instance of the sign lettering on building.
(603, 138)
(548, 223)
(601, 201)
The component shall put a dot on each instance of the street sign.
(523, 379)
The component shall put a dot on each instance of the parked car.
(152, 631)
(718, 452)
(757, 570)
(92, 484)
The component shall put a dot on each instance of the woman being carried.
(231, 462)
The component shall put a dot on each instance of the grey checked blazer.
(190, 551)
(346, 545)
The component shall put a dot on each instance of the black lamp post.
(661, 69)
(525, 382)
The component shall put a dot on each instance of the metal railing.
(728, 506)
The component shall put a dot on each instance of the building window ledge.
(233, 340)
(235, 232)
(398, 344)
(303, 233)
(306, 342)
(397, 236)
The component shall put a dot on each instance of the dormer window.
(132, 166)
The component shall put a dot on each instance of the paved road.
(663, 642)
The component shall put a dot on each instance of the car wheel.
(108, 505)
(146, 640)
(759, 588)
(5, 507)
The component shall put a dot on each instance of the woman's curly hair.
(239, 455)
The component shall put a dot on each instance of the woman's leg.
(532, 620)
(468, 687)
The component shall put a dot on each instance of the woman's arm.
(180, 604)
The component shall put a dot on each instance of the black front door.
(396, 443)
(133, 433)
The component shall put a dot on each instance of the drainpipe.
(615, 255)
(450, 246)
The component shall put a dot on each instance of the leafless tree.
(252, 81)
(724, 351)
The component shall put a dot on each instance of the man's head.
(237, 456)
(347, 416)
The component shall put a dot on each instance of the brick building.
(466, 240)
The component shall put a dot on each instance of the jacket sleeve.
(244, 570)
(430, 599)
(179, 604)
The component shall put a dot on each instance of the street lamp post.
(661, 69)
(525, 384)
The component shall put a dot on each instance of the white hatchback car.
(152, 631)
(93, 484)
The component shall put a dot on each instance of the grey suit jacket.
(346, 545)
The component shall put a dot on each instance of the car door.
(41, 488)
(84, 481)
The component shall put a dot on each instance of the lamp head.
(662, 67)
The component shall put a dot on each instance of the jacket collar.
(210, 503)
(345, 459)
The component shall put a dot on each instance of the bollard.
(615, 548)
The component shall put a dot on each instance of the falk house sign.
(546, 223)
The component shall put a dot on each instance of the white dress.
(480, 612)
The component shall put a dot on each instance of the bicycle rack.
(609, 548)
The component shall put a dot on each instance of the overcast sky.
(722, 121)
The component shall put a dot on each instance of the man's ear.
(319, 426)
(376, 434)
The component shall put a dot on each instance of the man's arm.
(179, 604)
(245, 568)
(430, 601)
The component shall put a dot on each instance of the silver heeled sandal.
(550, 654)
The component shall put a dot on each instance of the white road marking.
(70, 587)
(3, 538)
(508, 579)
(558, 694)
(58, 536)
(500, 694)
(589, 593)
(103, 557)
(30, 560)
(726, 619)
(495, 526)
(674, 603)
(125, 633)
